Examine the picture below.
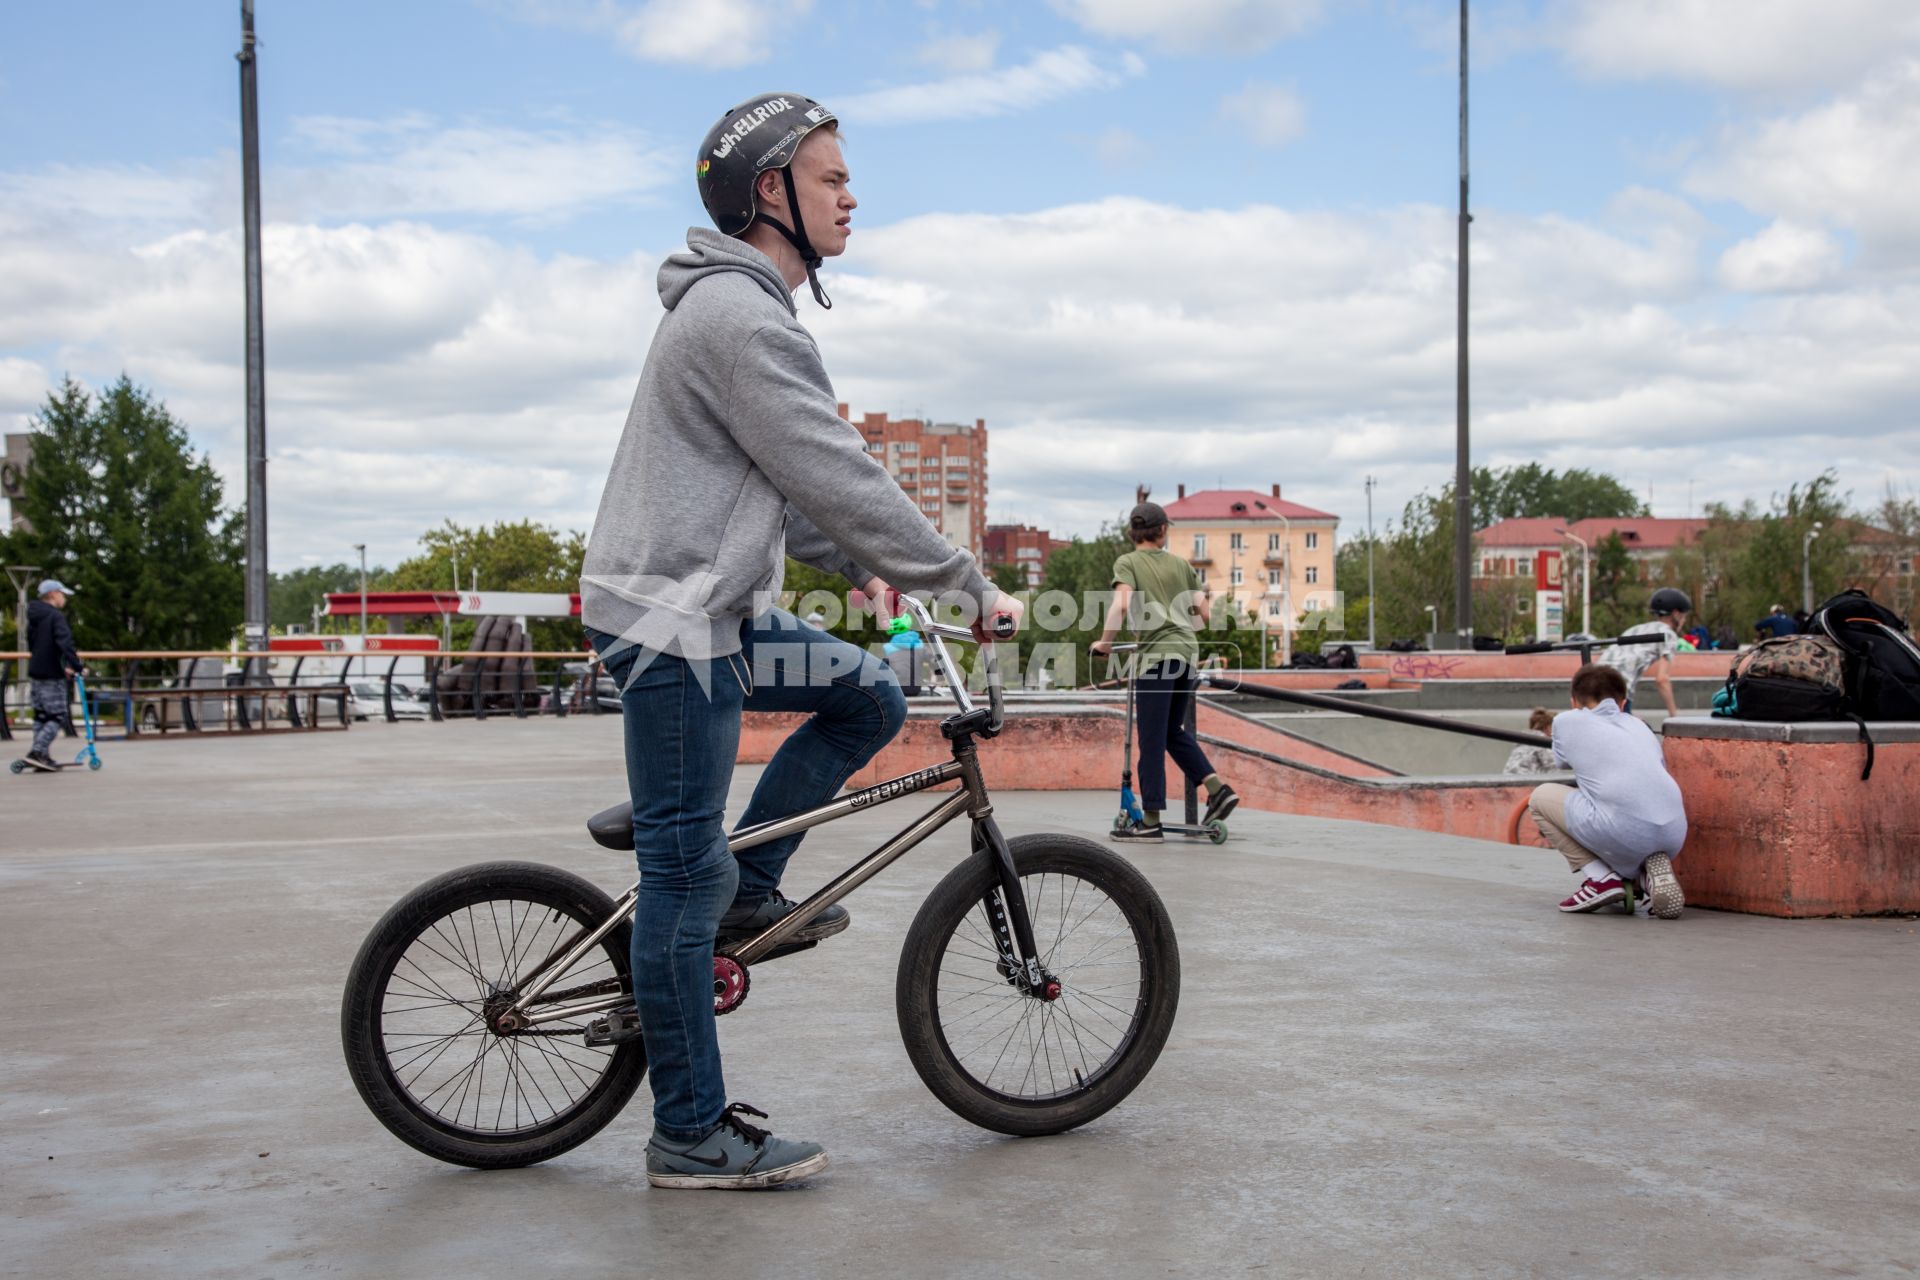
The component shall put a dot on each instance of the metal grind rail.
(1233, 684)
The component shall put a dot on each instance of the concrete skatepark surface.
(1393, 1056)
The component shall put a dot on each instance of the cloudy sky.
(1149, 242)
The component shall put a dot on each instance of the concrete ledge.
(1780, 823)
(1730, 730)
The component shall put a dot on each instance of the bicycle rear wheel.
(1014, 1063)
(418, 1044)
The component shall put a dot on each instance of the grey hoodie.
(735, 456)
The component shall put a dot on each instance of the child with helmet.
(1670, 607)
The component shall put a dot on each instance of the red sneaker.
(1595, 894)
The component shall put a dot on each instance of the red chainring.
(730, 985)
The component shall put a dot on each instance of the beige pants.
(1548, 805)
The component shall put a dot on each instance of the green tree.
(292, 597)
(518, 556)
(118, 506)
(1533, 490)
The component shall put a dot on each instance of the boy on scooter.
(1162, 599)
(52, 660)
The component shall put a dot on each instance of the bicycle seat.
(613, 827)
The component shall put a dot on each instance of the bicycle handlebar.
(939, 632)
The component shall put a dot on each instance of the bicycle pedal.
(617, 1027)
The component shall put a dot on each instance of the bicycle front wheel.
(417, 1040)
(1015, 1063)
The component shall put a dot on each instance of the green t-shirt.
(1166, 594)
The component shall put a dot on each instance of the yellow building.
(1270, 555)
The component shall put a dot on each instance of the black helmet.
(761, 133)
(1670, 600)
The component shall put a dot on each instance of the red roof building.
(1508, 547)
(1271, 555)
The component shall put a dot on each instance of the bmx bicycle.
(89, 755)
(488, 1019)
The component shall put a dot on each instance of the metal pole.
(361, 547)
(22, 574)
(256, 584)
(1806, 568)
(1462, 476)
(1370, 639)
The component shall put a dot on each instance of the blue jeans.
(1161, 695)
(682, 725)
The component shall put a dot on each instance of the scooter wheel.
(93, 762)
(1217, 831)
(1119, 822)
(16, 766)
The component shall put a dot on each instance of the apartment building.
(1022, 545)
(1256, 547)
(942, 465)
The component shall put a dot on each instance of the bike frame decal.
(894, 788)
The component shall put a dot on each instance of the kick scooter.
(88, 756)
(1130, 810)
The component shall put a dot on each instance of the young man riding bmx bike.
(734, 457)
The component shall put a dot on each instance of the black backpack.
(1341, 657)
(1883, 664)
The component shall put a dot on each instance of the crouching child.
(1621, 826)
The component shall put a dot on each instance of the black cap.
(1148, 515)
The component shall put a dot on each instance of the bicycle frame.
(1013, 928)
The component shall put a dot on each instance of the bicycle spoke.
(1024, 1047)
(438, 1046)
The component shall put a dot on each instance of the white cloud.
(1270, 114)
(1118, 148)
(1738, 44)
(961, 54)
(1782, 258)
(413, 166)
(1851, 162)
(1231, 26)
(343, 167)
(708, 33)
(1054, 74)
(417, 374)
(1323, 344)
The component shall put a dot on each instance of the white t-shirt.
(1627, 806)
(1632, 660)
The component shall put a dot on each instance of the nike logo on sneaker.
(712, 1162)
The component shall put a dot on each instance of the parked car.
(367, 701)
(606, 690)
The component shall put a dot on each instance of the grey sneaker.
(742, 922)
(1662, 888)
(1222, 803)
(734, 1157)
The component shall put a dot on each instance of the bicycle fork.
(1006, 908)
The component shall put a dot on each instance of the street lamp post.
(1586, 580)
(361, 547)
(1806, 567)
(1370, 484)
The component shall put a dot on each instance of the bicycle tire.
(367, 1016)
(951, 909)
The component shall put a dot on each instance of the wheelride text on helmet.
(759, 135)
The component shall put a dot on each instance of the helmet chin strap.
(797, 237)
